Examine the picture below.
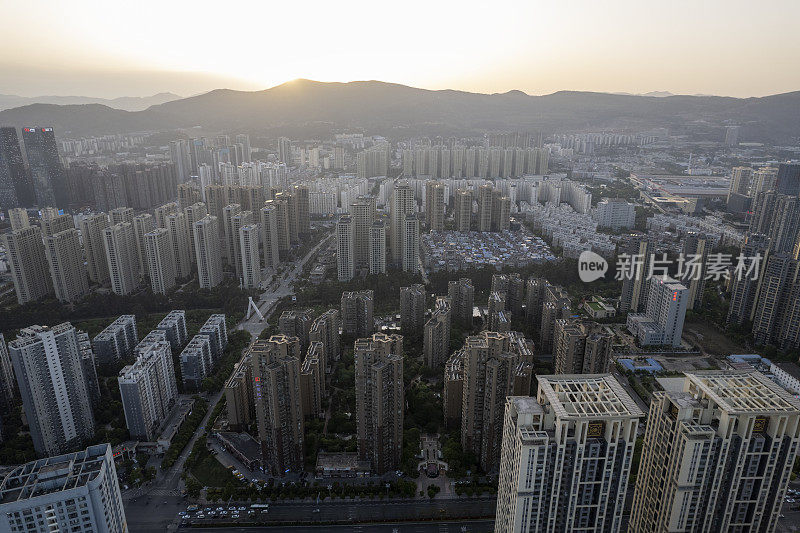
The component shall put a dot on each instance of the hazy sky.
(113, 48)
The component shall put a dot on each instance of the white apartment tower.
(67, 270)
(142, 224)
(207, 248)
(178, 226)
(345, 261)
(249, 236)
(120, 246)
(92, 228)
(377, 248)
(269, 236)
(402, 204)
(410, 243)
(78, 492)
(148, 389)
(160, 260)
(47, 364)
(717, 455)
(566, 456)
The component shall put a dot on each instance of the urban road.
(465, 526)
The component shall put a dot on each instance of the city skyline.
(680, 47)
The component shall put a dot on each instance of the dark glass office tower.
(15, 185)
(48, 176)
(788, 180)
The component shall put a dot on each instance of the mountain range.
(378, 107)
(126, 103)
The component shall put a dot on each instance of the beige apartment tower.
(462, 210)
(717, 455)
(436, 334)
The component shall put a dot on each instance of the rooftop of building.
(737, 391)
(53, 474)
(587, 396)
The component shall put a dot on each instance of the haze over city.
(400, 267)
(102, 49)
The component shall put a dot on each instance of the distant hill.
(391, 108)
(126, 103)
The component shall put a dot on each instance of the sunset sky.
(109, 49)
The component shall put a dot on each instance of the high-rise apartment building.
(148, 390)
(178, 226)
(485, 208)
(92, 227)
(788, 179)
(403, 205)
(410, 243)
(47, 174)
(501, 211)
(142, 225)
(117, 341)
(8, 386)
(174, 327)
(297, 323)
(345, 248)
(662, 323)
(377, 248)
(717, 454)
(635, 288)
(412, 307)
(216, 328)
(301, 202)
(462, 203)
(357, 317)
(494, 367)
(363, 213)
(436, 334)
(278, 403)
(434, 205)
(230, 235)
(312, 381)
(18, 217)
(47, 364)
(249, 237)
(28, 264)
(325, 329)
(161, 212)
(121, 214)
(269, 236)
(119, 241)
(379, 400)
(696, 249)
(67, 269)
(77, 492)
(52, 223)
(566, 456)
(462, 298)
(160, 260)
(194, 212)
(239, 397)
(208, 252)
(740, 181)
(453, 390)
(196, 362)
(580, 348)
